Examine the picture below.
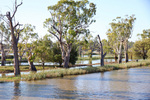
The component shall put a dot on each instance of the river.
(123, 84)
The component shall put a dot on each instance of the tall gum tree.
(69, 20)
(27, 37)
(121, 29)
(15, 34)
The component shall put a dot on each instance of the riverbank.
(60, 72)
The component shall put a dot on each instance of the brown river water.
(126, 84)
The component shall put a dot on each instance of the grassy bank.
(60, 72)
(8, 69)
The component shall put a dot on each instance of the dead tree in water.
(101, 50)
(15, 34)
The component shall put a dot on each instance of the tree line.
(68, 25)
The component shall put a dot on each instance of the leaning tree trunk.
(120, 53)
(126, 51)
(3, 57)
(67, 56)
(101, 49)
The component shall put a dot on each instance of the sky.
(35, 12)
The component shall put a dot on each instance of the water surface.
(123, 84)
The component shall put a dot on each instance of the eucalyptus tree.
(128, 23)
(121, 31)
(15, 29)
(69, 20)
(113, 42)
(141, 48)
(28, 36)
(145, 34)
(4, 38)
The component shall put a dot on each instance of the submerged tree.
(28, 35)
(101, 50)
(15, 34)
(4, 38)
(69, 19)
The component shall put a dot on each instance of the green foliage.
(121, 31)
(56, 54)
(43, 50)
(148, 53)
(141, 48)
(73, 54)
(70, 19)
(145, 34)
(106, 46)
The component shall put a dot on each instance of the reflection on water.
(117, 85)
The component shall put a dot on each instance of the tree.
(145, 34)
(113, 42)
(121, 29)
(101, 50)
(69, 20)
(30, 54)
(57, 58)
(148, 53)
(27, 37)
(4, 38)
(57, 54)
(43, 49)
(141, 48)
(128, 27)
(15, 34)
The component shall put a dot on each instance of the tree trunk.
(120, 53)
(3, 56)
(116, 57)
(15, 48)
(16, 60)
(101, 49)
(43, 64)
(67, 56)
(126, 51)
(66, 61)
(31, 66)
(90, 55)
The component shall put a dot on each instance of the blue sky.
(35, 12)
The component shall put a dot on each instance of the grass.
(60, 72)
(7, 69)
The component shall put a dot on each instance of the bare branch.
(16, 25)
(16, 7)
